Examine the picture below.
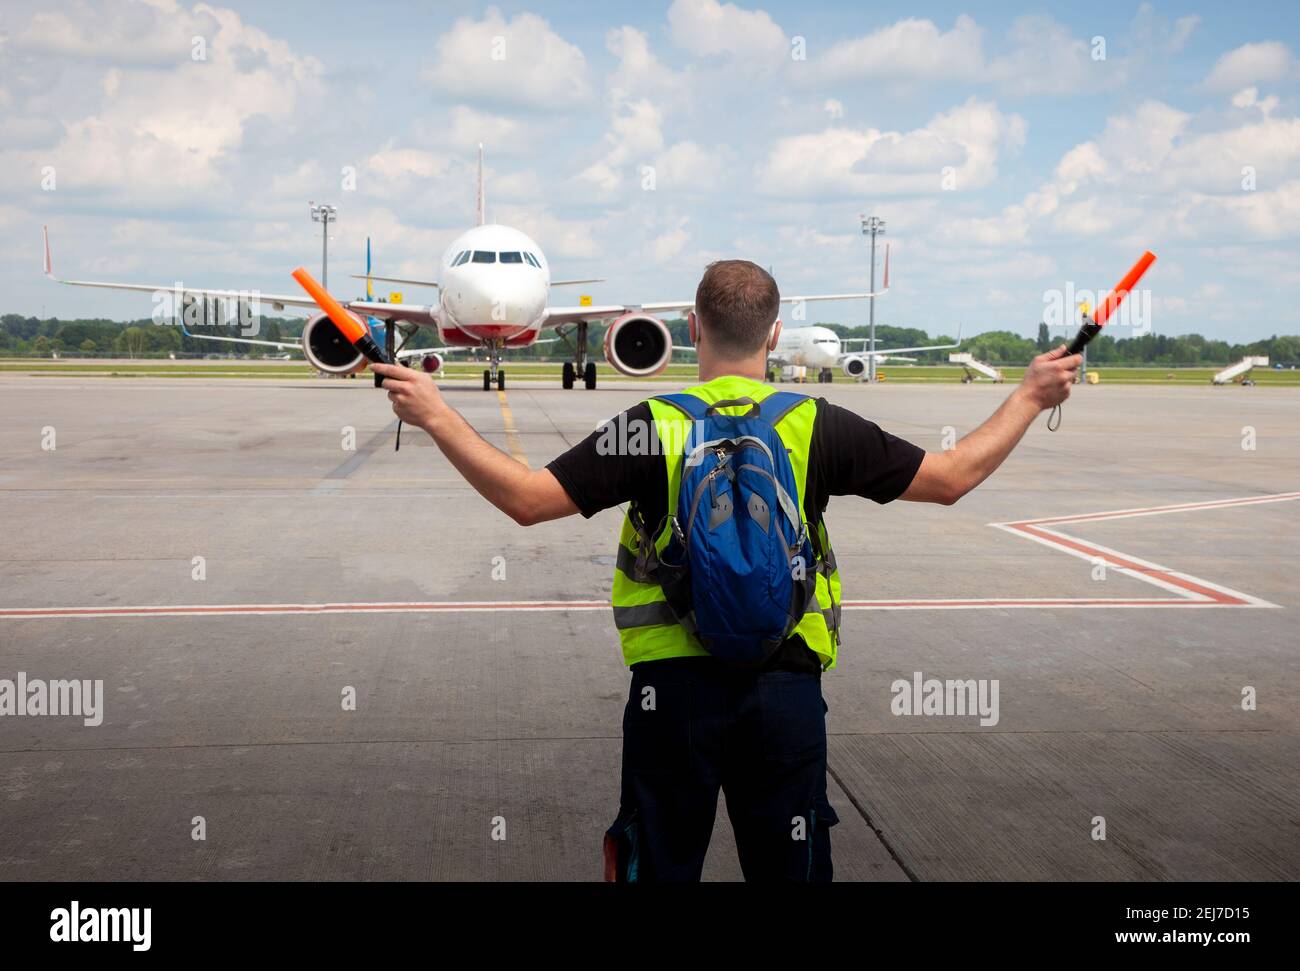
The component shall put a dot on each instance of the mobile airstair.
(975, 369)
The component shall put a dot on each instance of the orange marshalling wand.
(346, 321)
(1092, 326)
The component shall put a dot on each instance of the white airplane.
(493, 293)
(821, 348)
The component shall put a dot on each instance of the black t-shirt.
(848, 456)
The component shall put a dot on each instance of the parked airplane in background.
(821, 348)
(493, 293)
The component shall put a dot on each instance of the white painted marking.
(1191, 591)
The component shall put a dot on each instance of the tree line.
(32, 337)
(1003, 347)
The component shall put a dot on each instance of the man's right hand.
(1048, 379)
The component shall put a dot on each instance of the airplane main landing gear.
(579, 365)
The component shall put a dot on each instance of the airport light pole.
(324, 215)
(872, 226)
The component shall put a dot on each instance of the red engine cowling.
(638, 345)
(431, 363)
(327, 350)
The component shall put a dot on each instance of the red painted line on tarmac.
(1183, 583)
(198, 610)
(1043, 602)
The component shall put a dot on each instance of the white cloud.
(908, 50)
(1249, 64)
(843, 161)
(1042, 57)
(707, 28)
(1153, 173)
(639, 71)
(132, 34)
(669, 244)
(1045, 58)
(499, 134)
(635, 136)
(688, 166)
(515, 63)
(164, 123)
(397, 165)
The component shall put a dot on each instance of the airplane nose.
(479, 303)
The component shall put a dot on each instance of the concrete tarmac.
(1133, 703)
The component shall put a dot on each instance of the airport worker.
(713, 705)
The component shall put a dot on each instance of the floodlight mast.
(872, 226)
(324, 215)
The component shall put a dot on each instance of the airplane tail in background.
(482, 203)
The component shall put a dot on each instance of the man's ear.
(776, 334)
(693, 328)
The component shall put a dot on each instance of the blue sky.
(639, 141)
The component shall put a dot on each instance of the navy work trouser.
(692, 727)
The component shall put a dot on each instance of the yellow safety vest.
(647, 627)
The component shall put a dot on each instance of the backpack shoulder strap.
(779, 404)
(688, 404)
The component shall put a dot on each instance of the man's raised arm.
(526, 495)
(947, 476)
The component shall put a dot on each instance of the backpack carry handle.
(729, 402)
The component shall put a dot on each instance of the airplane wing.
(394, 279)
(368, 308)
(283, 345)
(569, 315)
(883, 353)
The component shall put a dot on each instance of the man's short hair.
(738, 302)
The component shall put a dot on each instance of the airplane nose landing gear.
(494, 373)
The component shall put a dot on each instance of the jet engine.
(854, 367)
(431, 363)
(638, 345)
(327, 350)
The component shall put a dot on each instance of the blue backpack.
(738, 570)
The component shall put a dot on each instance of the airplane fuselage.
(814, 347)
(493, 287)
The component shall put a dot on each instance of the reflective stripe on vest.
(647, 628)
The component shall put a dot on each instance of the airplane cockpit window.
(532, 259)
(511, 258)
(484, 256)
(462, 258)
